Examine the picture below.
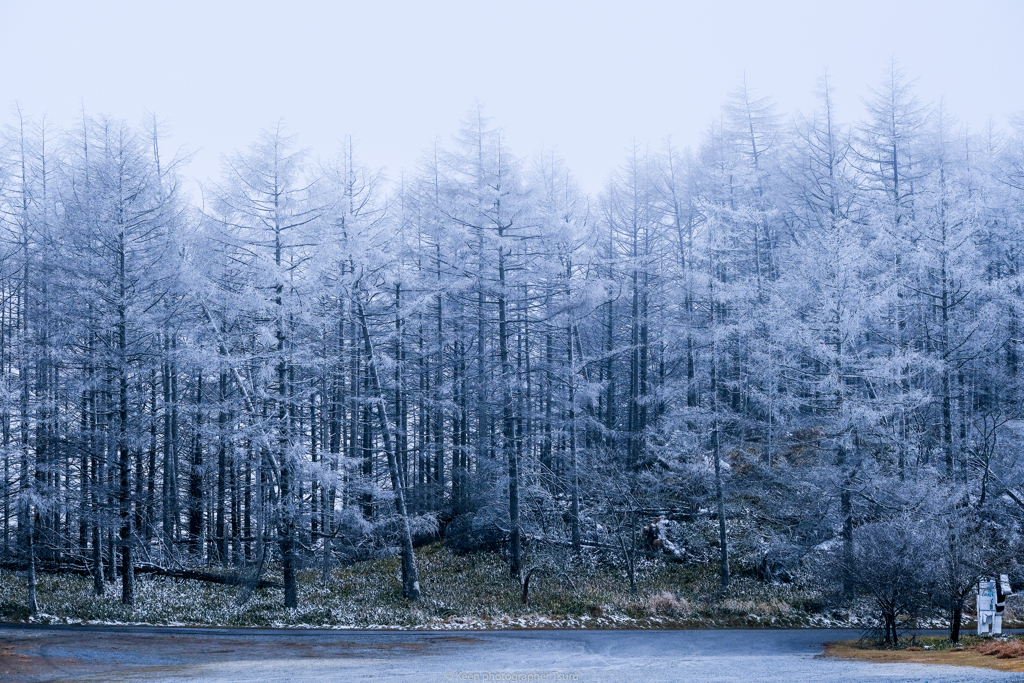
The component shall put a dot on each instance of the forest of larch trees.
(804, 327)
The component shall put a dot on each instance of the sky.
(587, 80)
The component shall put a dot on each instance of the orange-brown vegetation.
(1002, 655)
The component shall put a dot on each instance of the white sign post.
(987, 609)
(991, 603)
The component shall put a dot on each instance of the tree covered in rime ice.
(803, 333)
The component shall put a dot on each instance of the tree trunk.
(574, 484)
(508, 423)
(716, 446)
(33, 605)
(195, 482)
(124, 457)
(221, 530)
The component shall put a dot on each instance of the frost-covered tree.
(266, 211)
(117, 219)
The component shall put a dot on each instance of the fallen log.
(612, 548)
(156, 570)
(203, 576)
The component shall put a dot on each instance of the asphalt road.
(36, 654)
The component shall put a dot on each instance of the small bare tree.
(888, 566)
(964, 553)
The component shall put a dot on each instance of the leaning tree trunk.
(410, 580)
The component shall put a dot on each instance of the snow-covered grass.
(472, 591)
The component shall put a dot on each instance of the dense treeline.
(808, 324)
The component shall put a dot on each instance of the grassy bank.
(1003, 654)
(472, 591)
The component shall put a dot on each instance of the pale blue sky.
(586, 77)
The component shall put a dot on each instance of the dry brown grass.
(667, 604)
(999, 655)
(1011, 650)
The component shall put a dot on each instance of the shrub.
(12, 611)
(667, 604)
(470, 533)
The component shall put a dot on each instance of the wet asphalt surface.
(36, 654)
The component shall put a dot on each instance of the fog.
(586, 78)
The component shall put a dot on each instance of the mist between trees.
(807, 324)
